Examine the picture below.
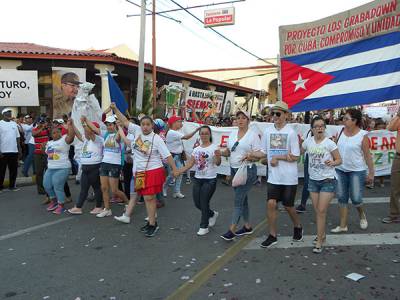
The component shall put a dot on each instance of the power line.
(221, 35)
(157, 13)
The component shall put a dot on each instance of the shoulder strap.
(340, 134)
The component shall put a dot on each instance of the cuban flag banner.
(348, 59)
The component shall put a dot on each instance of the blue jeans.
(241, 199)
(350, 185)
(54, 181)
(28, 160)
(178, 181)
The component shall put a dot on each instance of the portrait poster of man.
(65, 88)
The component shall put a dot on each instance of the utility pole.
(139, 94)
(154, 65)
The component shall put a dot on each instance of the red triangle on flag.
(299, 82)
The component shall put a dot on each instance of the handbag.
(140, 177)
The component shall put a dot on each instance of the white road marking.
(364, 239)
(33, 228)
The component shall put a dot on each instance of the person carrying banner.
(394, 215)
(240, 144)
(281, 145)
(323, 156)
(353, 146)
(205, 157)
(175, 145)
(58, 167)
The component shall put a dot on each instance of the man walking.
(281, 145)
(10, 149)
(394, 216)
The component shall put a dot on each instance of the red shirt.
(41, 139)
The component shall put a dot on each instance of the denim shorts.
(110, 170)
(350, 185)
(322, 186)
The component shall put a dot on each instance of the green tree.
(147, 107)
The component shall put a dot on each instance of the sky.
(102, 24)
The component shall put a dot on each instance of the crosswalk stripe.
(364, 239)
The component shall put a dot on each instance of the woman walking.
(323, 157)
(241, 144)
(206, 158)
(148, 150)
(58, 167)
(111, 166)
(352, 173)
(91, 157)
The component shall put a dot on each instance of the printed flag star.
(300, 83)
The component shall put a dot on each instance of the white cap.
(111, 119)
(59, 121)
(6, 110)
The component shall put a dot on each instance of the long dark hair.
(209, 129)
(356, 115)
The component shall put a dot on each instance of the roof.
(34, 51)
(232, 69)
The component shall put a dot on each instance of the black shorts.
(284, 193)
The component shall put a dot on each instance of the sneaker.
(151, 230)
(123, 219)
(75, 211)
(145, 227)
(52, 206)
(363, 223)
(188, 181)
(171, 183)
(203, 231)
(96, 211)
(317, 250)
(300, 209)
(244, 231)
(269, 242)
(105, 213)
(179, 195)
(228, 236)
(59, 210)
(316, 240)
(14, 189)
(339, 229)
(298, 234)
(164, 190)
(390, 219)
(213, 219)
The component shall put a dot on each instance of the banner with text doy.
(65, 88)
(382, 144)
(348, 59)
(18, 88)
(204, 102)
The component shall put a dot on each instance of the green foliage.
(147, 107)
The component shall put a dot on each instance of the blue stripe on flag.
(350, 99)
(384, 40)
(374, 69)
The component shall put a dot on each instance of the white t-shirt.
(141, 150)
(281, 142)
(204, 162)
(57, 154)
(174, 141)
(28, 133)
(112, 150)
(8, 137)
(249, 142)
(350, 149)
(92, 151)
(318, 154)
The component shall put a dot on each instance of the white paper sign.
(18, 88)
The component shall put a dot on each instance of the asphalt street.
(44, 256)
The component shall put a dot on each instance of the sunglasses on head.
(235, 146)
(276, 113)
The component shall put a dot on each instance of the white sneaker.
(339, 229)
(104, 213)
(363, 224)
(164, 190)
(203, 231)
(213, 219)
(123, 219)
(179, 195)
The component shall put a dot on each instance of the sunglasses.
(276, 113)
(235, 146)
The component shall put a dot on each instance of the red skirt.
(154, 182)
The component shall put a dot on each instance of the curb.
(26, 181)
